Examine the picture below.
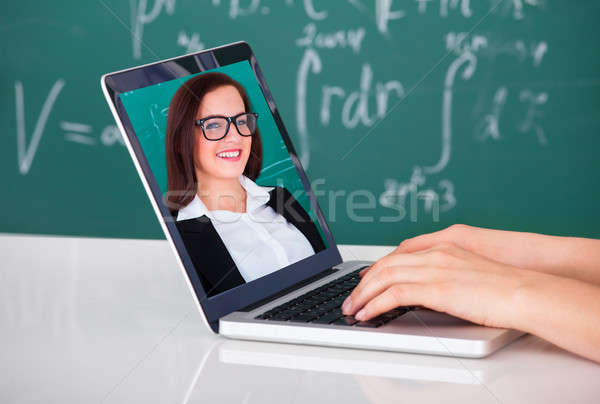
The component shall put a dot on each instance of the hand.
(570, 257)
(444, 278)
(476, 279)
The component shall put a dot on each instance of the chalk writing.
(191, 43)
(533, 102)
(351, 38)
(26, 153)
(465, 47)
(404, 196)
(141, 17)
(489, 127)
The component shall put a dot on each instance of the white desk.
(86, 320)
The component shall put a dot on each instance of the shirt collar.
(256, 196)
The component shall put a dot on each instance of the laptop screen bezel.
(217, 306)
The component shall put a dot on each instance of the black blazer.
(215, 267)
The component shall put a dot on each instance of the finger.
(389, 258)
(455, 234)
(395, 296)
(378, 262)
(420, 258)
(371, 286)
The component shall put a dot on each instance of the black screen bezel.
(217, 306)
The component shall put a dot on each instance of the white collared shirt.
(260, 241)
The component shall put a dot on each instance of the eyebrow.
(219, 116)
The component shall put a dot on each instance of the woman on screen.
(234, 230)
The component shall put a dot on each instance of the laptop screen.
(229, 181)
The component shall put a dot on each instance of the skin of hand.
(450, 279)
(571, 257)
(444, 278)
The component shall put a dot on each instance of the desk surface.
(89, 320)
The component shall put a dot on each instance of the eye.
(212, 125)
(241, 121)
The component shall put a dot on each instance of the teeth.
(229, 154)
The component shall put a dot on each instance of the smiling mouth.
(230, 155)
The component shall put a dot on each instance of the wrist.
(533, 301)
(524, 300)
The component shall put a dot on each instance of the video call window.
(226, 175)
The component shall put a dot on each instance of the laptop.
(204, 133)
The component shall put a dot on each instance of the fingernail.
(347, 304)
(360, 315)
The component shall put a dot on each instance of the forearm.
(563, 311)
(571, 257)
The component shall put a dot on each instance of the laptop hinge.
(287, 290)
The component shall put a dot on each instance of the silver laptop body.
(239, 313)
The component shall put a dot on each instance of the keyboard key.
(304, 317)
(329, 317)
(330, 304)
(346, 320)
(318, 301)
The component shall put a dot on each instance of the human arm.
(453, 280)
(571, 257)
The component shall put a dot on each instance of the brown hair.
(179, 143)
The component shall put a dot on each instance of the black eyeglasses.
(216, 127)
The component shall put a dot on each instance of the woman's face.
(208, 155)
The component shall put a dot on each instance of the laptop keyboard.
(322, 306)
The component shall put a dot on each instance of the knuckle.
(380, 265)
(445, 246)
(387, 272)
(397, 291)
(403, 244)
(458, 228)
(438, 257)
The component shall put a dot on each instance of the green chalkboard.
(407, 115)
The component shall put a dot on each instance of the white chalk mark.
(236, 11)
(328, 93)
(521, 50)
(310, 63)
(191, 43)
(539, 52)
(111, 135)
(465, 7)
(458, 43)
(75, 127)
(27, 153)
(351, 38)
(491, 121)
(384, 13)
(358, 5)
(79, 138)
(518, 7)
(422, 7)
(468, 59)
(534, 101)
(360, 100)
(405, 196)
(382, 95)
(448, 195)
(140, 18)
(312, 13)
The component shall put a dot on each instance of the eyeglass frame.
(229, 119)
